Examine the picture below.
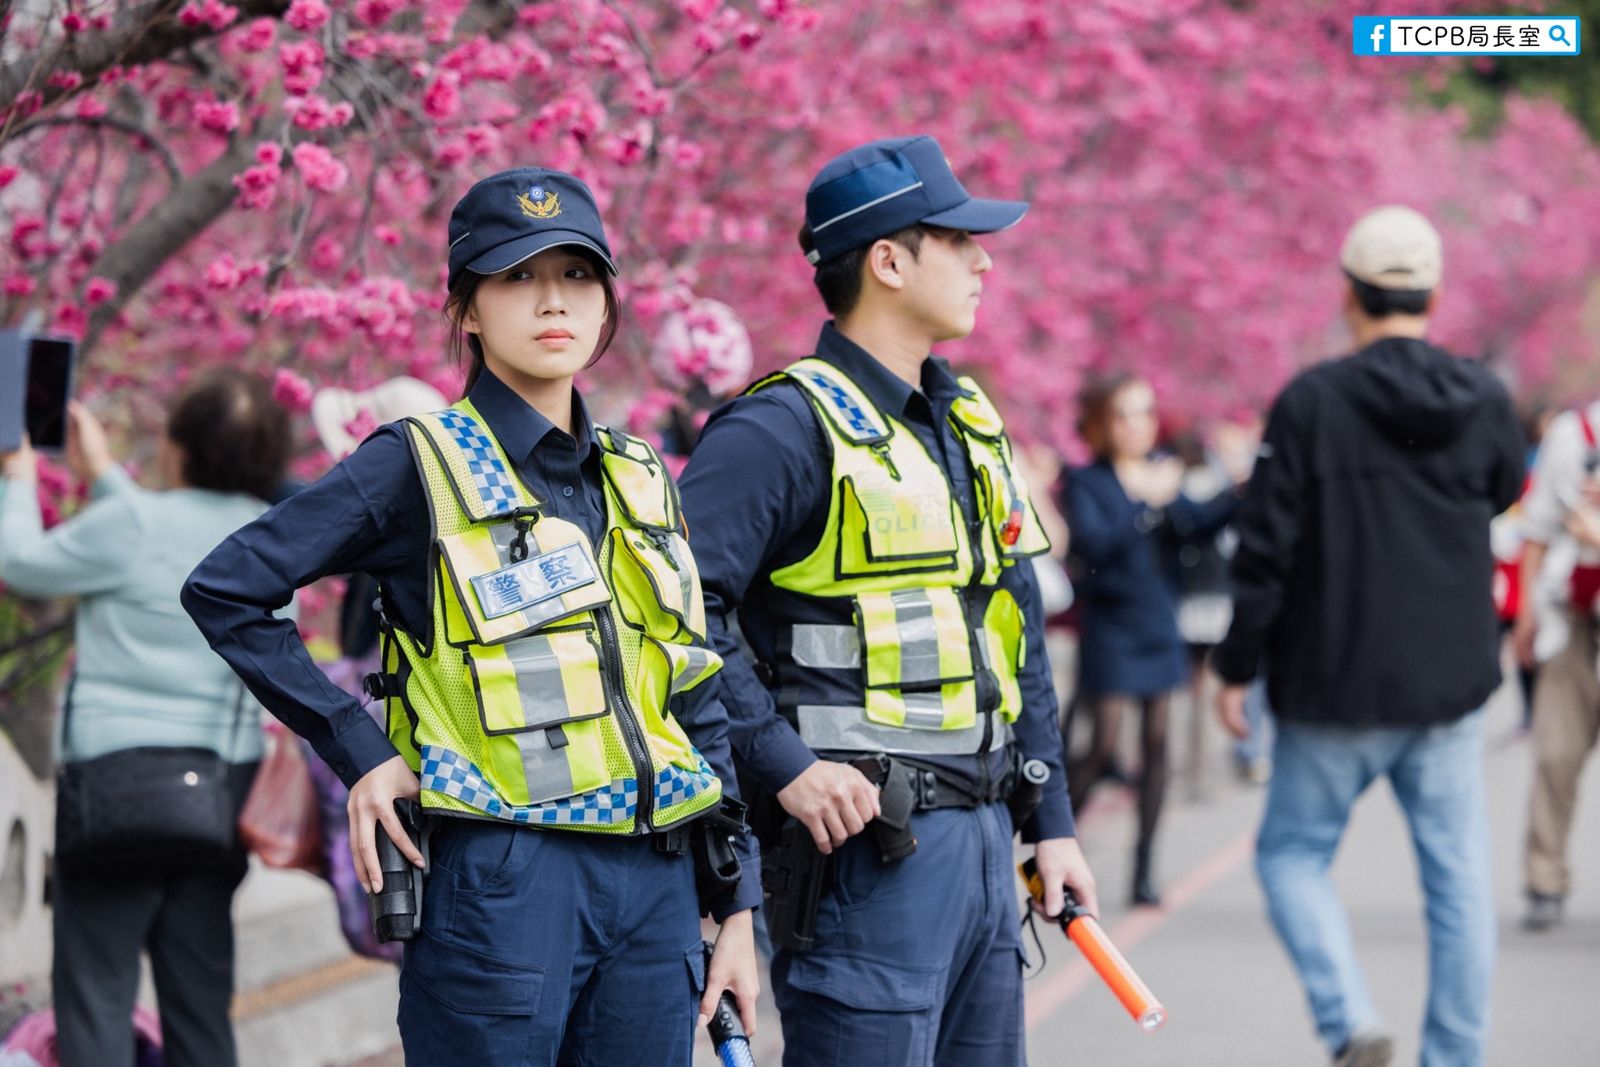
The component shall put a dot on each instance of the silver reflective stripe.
(982, 637)
(696, 661)
(819, 227)
(544, 699)
(840, 728)
(502, 534)
(919, 636)
(548, 773)
(924, 711)
(830, 647)
(544, 696)
(685, 584)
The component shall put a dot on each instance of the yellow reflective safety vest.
(931, 662)
(540, 696)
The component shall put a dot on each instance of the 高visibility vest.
(540, 696)
(930, 664)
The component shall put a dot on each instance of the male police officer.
(862, 513)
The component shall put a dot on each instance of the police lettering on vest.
(540, 696)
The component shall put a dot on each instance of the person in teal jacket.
(143, 676)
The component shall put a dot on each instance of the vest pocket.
(1004, 649)
(501, 599)
(681, 667)
(643, 487)
(889, 526)
(538, 699)
(1013, 531)
(916, 657)
(655, 575)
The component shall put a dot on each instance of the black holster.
(396, 908)
(897, 799)
(716, 860)
(794, 879)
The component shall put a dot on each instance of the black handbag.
(146, 808)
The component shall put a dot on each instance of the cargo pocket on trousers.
(471, 983)
(865, 983)
(696, 959)
(460, 1006)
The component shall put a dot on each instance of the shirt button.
(566, 490)
(341, 768)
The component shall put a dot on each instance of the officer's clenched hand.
(733, 968)
(371, 802)
(834, 801)
(1061, 862)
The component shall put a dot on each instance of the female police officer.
(544, 649)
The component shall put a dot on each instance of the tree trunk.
(182, 215)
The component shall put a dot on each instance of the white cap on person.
(1394, 247)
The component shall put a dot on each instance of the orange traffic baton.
(1083, 930)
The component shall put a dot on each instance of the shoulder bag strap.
(231, 756)
(66, 715)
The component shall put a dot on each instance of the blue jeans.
(1258, 716)
(1437, 776)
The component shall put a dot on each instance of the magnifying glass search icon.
(1559, 33)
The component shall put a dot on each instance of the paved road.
(1233, 997)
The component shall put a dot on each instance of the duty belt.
(931, 790)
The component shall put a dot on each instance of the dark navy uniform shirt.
(370, 514)
(756, 495)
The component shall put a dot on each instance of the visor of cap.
(515, 251)
(980, 216)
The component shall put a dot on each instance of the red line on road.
(1045, 996)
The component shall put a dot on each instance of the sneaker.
(1368, 1049)
(1544, 911)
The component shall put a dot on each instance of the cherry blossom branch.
(188, 208)
(140, 35)
(132, 129)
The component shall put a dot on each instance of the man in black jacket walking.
(1363, 577)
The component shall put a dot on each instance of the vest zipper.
(979, 563)
(611, 674)
(979, 656)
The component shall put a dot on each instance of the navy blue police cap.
(885, 186)
(510, 216)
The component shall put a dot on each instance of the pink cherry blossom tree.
(266, 182)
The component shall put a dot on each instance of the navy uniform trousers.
(917, 962)
(546, 947)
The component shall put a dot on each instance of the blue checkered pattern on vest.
(674, 785)
(857, 421)
(496, 485)
(452, 774)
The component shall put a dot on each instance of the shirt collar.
(519, 426)
(883, 387)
